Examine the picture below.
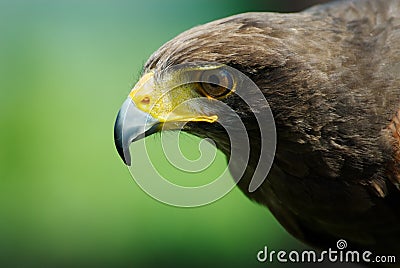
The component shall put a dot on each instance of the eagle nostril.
(145, 100)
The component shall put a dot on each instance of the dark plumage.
(331, 75)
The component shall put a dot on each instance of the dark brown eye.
(216, 83)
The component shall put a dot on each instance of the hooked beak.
(132, 124)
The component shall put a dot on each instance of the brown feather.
(331, 75)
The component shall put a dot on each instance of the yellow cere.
(167, 103)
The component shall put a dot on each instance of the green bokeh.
(66, 198)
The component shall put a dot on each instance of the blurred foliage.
(66, 198)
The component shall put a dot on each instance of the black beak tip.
(121, 146)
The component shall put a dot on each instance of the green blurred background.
(66, 199)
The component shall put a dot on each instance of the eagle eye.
(216, 83)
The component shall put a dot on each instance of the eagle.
(331, 76)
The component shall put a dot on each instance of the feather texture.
(331, 75)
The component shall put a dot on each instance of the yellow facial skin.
(167, 103)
